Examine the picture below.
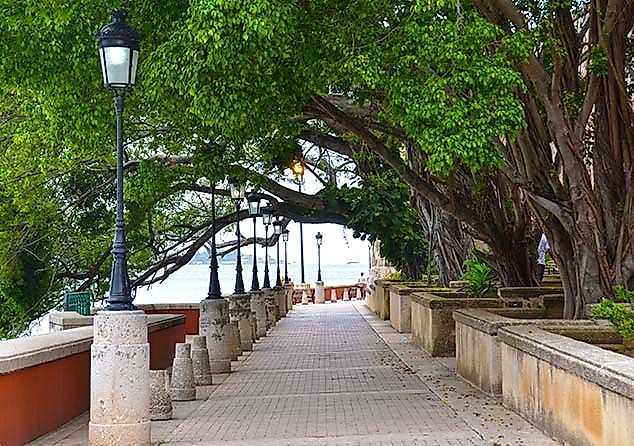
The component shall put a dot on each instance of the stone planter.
(400, 303)
(432, 324)
(530, 297)
(575, 391)
(478, 348)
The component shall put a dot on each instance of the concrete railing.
(45, 380)
(577, 392)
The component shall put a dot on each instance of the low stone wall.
(478, 348)
(432, 324)
(577, 392)
(45, 380)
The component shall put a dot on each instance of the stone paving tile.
(336, 375)
(323, 376)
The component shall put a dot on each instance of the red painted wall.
(39, 399)
(191, 318)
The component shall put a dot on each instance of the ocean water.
(191, 282)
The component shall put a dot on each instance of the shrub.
(480, 277)
(394, 275)
(618, 311)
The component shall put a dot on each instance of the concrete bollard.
(260, 312)
(333, 296)
(214, 324)
(346, 294)
(160, 401)
(235, 349)
(200, 361)
(240, 309)
(183, 387)
(120, 380)
(320, 294)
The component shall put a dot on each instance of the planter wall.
(478, 348)
(576, 392)
(432, 324)
(400, 303)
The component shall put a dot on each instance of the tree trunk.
(450, 245)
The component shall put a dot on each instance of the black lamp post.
(214, 282)
(277, 228)
(119, 54)
(253, 199)
(267, 217)
(319, 238)
(285, 238)
(237, 193)
(298, 170)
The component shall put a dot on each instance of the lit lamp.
(253, 200)
(237, 194)
(319, 238)
(298, 169)
(285, 239)
(119, 54)
(277, 228)
(267, 218)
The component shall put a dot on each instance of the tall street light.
(319, 238)
(285, 238)
(119, 53)
(253, 199)
(214, 282)
(267, 217)
(237, 193)
(277, 228)
(298, 170)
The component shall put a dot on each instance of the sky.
(338, 244)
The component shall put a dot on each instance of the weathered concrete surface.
(260, 312)
(200, 361)
(320, 296)
(240, 310)
(214, 323)
(578, 392)
(235, 350)
(433, 327)
(160, 400)
(120, 380)
(478, 348)
(183, 387)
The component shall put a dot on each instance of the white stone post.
(160, 402)
(346, 294)
(320, 293)
(200, 361)
(304, 295)
(120, 380)
(214, 323)
(333, 295)
(183, 386)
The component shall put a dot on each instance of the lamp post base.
(240, 310)
(120, 380)
(320, 294)
(214, 323)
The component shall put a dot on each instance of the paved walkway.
(335, 375)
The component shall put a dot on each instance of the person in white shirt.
(542, 249)
(361, 284)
